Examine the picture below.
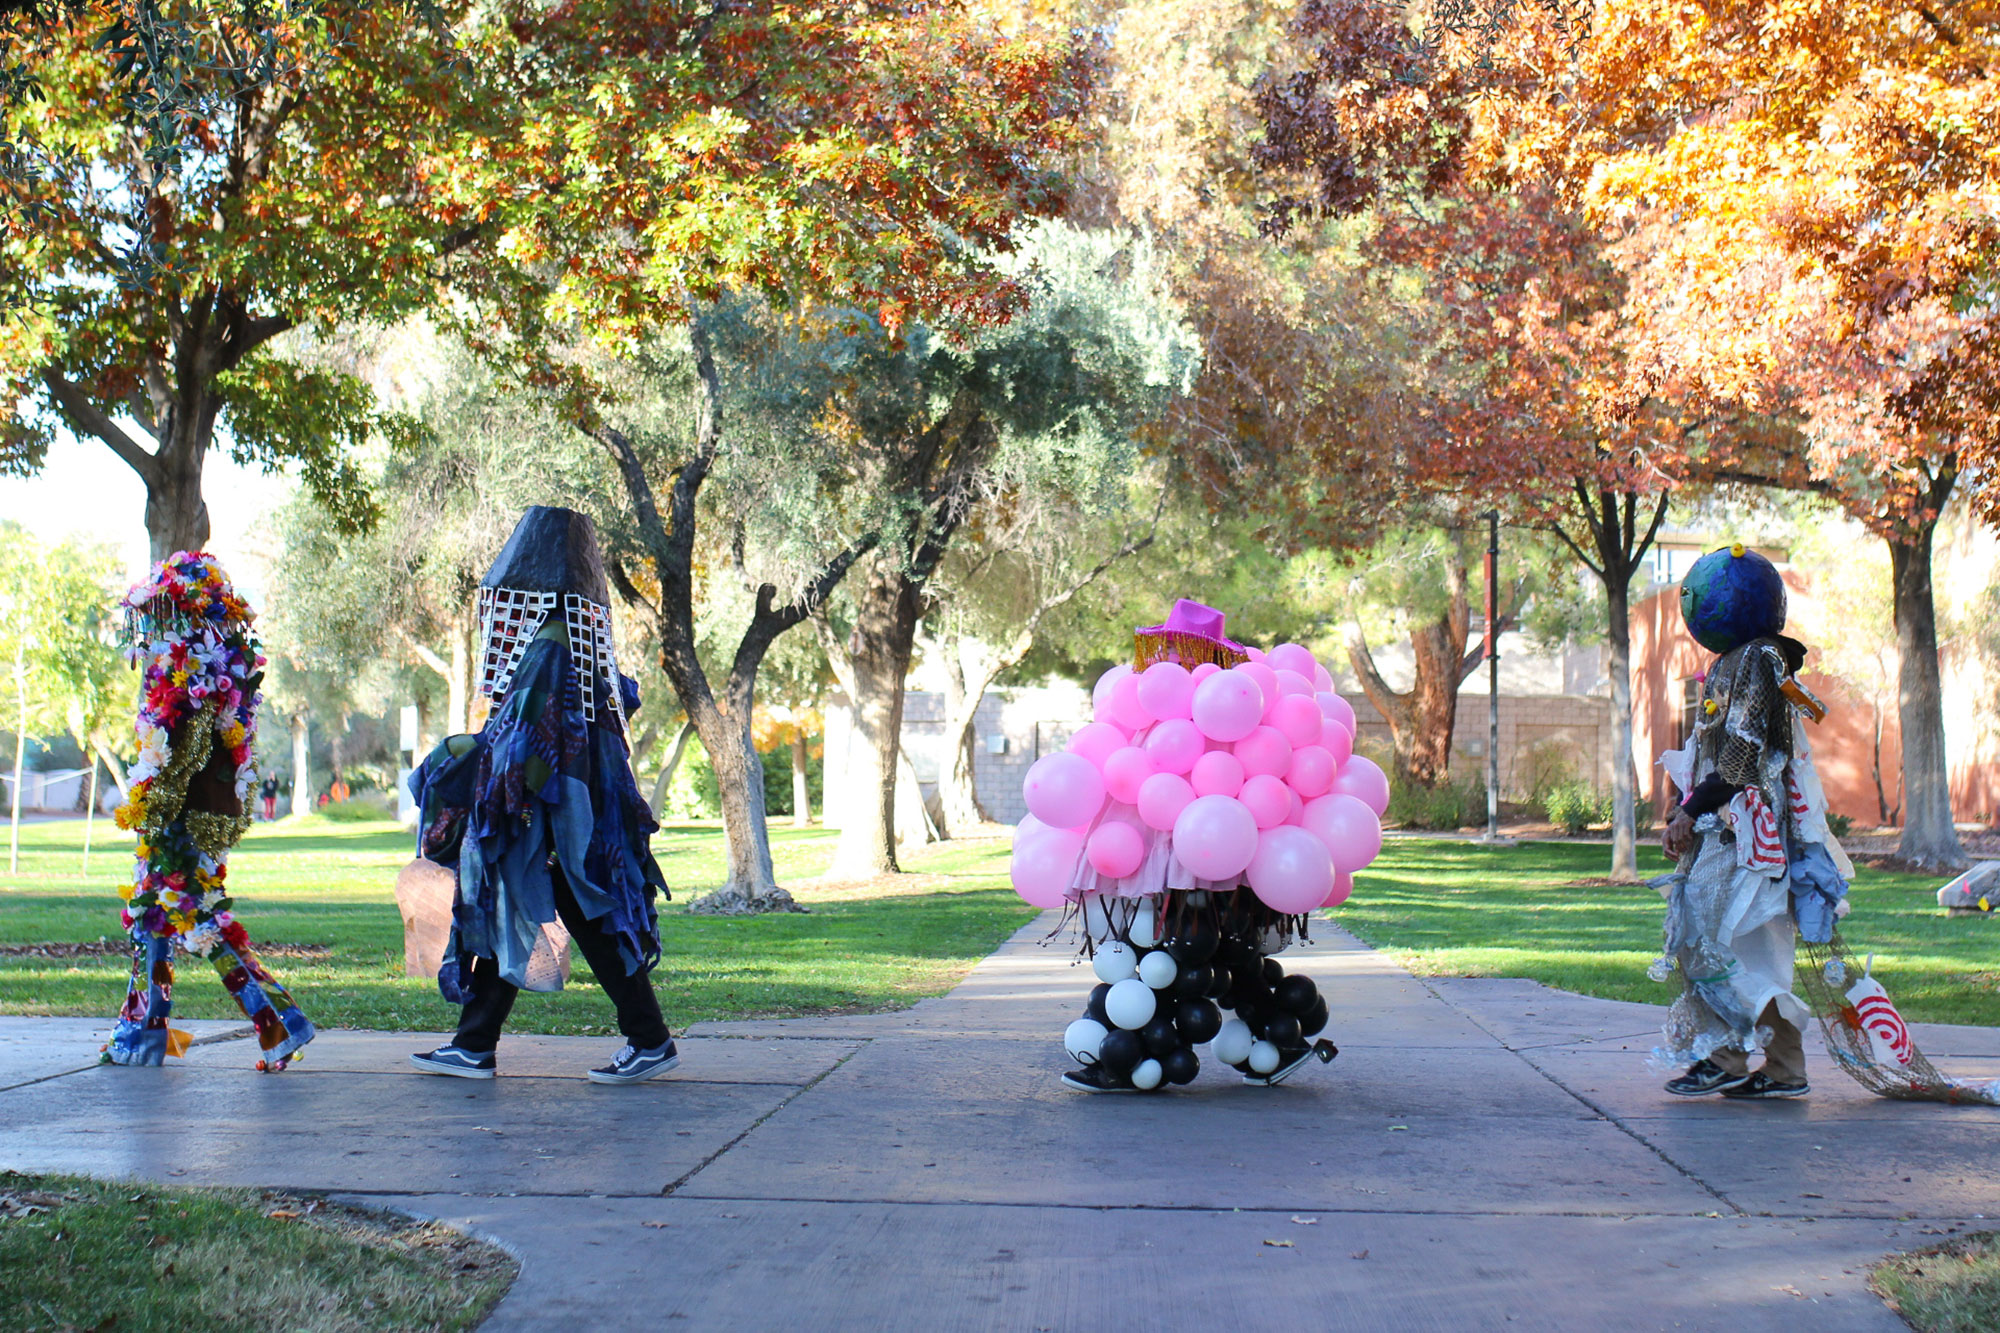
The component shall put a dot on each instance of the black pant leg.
(631, 993)
(492, 1000)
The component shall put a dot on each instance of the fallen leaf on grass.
(1791, 1290)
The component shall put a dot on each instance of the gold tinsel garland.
(166, 794)
(1190, 650)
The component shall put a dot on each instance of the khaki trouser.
(1784, 1057)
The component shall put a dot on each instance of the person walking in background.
(269, 792)
(339, 791)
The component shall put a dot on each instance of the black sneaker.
(1323, 1050)
(1704, 1077)
(1761, 1086)
(454, 1062)
(631, 1065)
(1094, 1079)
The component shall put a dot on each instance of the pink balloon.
(1290, 870)
(1363, 779)
(1336, 740)
(1349, 829)
(1217, 773)
(1096, 741)
(1043, 867)
(1227, 705)
(1215, 837)
(1125, 770)
(1298, 717)
(1311, 773)
(1064, 789)
(1162, 797)
(1267, 799)
(1116, 849)
(1293, 657)
(1297, 814)
(1126, 710)
(1100, 693)
(1201, 672)
(1336, 708)
(1166, 689)
(1322, 679)
(1255, 653)
(1174, 746)
(1267, 684)
(1265, 750)
(1291, 682)
(1343, 884)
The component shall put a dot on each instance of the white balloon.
(1083, 1038)
(1264, 1057)
(1144, 932)
(1233, 1042)
(1158, 969)
(1131, 1003)
(1114, 961)
(1147, 1075)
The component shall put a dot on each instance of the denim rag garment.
(540, 782)
(1817, 891)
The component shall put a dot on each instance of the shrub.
(1839, 825)
(1576, 805)
(1547, 765)
(355, 809)
(1449, 805)
(1642, 817)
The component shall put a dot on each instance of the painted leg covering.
(282, 1027)
(142, 1036)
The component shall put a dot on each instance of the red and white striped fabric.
(1801, 811)
(1758, 846)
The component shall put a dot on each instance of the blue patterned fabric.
(539, 786)
(1817, 890)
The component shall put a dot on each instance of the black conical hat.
(552, 550)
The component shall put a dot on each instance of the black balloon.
(1193, 982)
(1220, 979)
(1314, 1022)
(1159, 1035)
(1095, 1007)
(1198, 1021)
(1121, 1052)
(1273, 973)
(1282, 1030)
(1180, 1065)
(1296, 994)
(1195, 943)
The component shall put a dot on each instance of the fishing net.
(1867, 1037)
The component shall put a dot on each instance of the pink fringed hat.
(1191, 634)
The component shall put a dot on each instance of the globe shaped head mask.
(1732, 596)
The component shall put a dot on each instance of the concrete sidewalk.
(1483, 1154)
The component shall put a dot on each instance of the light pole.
(1492, 517)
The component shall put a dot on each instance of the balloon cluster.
(1250, 770)
(1157, 1001)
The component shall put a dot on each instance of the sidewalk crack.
(756, 1124)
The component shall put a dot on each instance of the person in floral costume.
(190, 633)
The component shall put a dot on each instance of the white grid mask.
(509, 620)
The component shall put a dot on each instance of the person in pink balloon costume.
(1213, 803)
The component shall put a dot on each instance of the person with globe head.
(538, 814)
(1756, 863)
(1210, 806)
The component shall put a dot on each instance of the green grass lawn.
(81, 1254)
(1447, 908)
(1441, 907)
(319, 883)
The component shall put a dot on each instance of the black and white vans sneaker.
(633, 1065)
(1761, 1086)
(1703, 1077)
(1092, 1078)
(455, 1063)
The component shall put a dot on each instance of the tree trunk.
(301, 766)
(1421, 720)
(958, 795)
(668, 769)
(739, 773)
(176, 514)
(886, 610)
(1929, 840)
(1624, 822)
(458, 683)
(89, 816)
(111, 766)
(801, 784)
